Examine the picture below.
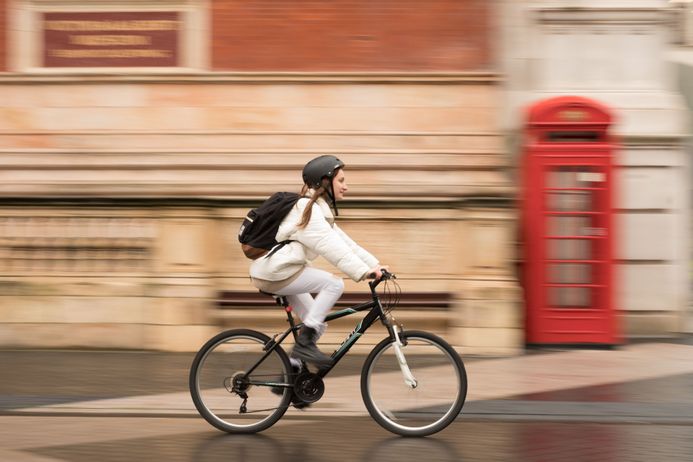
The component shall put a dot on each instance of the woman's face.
(339, 185)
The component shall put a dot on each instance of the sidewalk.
(640, 383)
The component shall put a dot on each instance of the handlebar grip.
(386, 275)
(375, 282)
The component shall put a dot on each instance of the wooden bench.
(425, 301)
(431, 311)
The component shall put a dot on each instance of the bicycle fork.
(408, 377)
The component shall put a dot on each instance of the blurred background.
(135, 136)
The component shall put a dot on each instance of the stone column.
(489, 306)
(181, 287)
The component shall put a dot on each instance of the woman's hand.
(377, 271)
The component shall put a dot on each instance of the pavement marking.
(488, 380)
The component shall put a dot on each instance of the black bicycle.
(413, 383)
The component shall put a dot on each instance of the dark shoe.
(298, 404)
(295, 401)
(306, 349)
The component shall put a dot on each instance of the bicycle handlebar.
(386, 276)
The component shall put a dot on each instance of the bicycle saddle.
(280, 299)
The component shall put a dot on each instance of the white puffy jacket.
(321, 236)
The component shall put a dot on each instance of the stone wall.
(121, 198)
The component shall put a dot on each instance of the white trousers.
(312, 311)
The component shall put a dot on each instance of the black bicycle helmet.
(322, 167)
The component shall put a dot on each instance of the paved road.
(630, 404)
(42, 439)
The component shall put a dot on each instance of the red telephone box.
(567, 223)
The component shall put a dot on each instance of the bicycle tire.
(245, 337)
(450, 361)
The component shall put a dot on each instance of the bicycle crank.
(309, 387)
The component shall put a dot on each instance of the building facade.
(135, 138)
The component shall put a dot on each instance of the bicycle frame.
(376, 312)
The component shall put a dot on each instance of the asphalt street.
(634, 403)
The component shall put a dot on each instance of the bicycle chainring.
(309, 387)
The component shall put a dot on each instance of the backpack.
(258, 231)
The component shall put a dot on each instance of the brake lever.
(387, 274)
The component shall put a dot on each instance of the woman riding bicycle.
(413, 383)
(312, 231)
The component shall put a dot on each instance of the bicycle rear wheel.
(437, 398)
(226, 395)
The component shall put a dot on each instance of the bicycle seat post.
(283, 301)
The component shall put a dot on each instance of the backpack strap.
(277, 247)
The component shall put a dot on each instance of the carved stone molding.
(59, 244)
(605, 16)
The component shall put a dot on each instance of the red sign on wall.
(111, 39)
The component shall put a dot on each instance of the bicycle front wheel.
(422, 409)
(234, 388)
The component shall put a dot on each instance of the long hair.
(307, 212)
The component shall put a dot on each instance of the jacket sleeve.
(322, 239)
(362, 253)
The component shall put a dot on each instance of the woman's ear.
(326, 182)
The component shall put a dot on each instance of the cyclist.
(312, 231)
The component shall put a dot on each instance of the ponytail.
(307, 212)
